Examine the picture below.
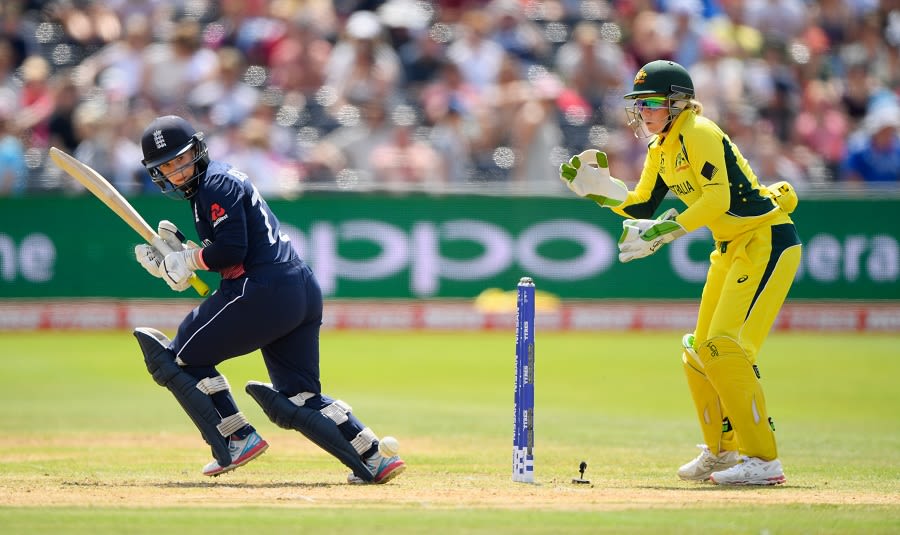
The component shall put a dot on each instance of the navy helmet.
(166, 138)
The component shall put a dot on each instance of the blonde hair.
(695, 105)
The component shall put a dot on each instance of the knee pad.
(319, 419)
(191, 394)
(734, 378)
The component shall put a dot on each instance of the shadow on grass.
(205, 484)
(709, 487)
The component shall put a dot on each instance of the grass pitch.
(93, 445)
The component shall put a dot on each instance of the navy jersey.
(239, 232)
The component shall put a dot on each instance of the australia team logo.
(640, 77)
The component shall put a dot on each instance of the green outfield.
(92, 445)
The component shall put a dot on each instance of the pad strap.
(231, 424)
(300, 399)
(337, 411)
(212, 385)
(364, 440)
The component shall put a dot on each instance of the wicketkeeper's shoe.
(242, 450)
(383, 469)
(751, 471)
(706, 463)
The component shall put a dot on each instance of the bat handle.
(198, 284)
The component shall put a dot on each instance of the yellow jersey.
(698, 163)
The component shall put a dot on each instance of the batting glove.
(149, 258)
(177, 268)
(643, 237)
(587, 175)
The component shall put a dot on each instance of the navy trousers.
(277, 310)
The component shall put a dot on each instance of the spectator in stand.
(363, 67)
(228, 98)
(273, 175)
(61, 124)
(518, 35)
(18, 31)
(822, 125)
(537, 139)
(781, 20)
(344, 154)
(730, 28)
(173, 68)
(95, 127)
(13, 172)
(479, 59)
(36, 102)
(449, 86)
(401, 161)
(718, 78)
(451, 137)
(423, 59)
(9, 85)
(118, 67)
(89, 24)
(688, 31)
(874, 153)
(857, 86)
(299, 58)
(593, 66)
(773, 165)
(649, 39)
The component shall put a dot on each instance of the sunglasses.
(650, 103)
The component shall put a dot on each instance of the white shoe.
(242, 450)
(706, 463)
(751, 471)
(383, 468)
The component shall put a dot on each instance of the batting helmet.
(166, 138)
(662, 77)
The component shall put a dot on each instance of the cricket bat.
(103, 190)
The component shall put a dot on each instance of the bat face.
(103, 190)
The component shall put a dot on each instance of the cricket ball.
(388, 446)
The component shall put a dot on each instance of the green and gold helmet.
(663, 77)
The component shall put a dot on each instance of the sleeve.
(706, 154)
(229, 227)
(647, 195)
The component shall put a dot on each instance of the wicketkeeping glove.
(643, 237)
(587, 174)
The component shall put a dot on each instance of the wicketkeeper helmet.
(167, 138)
(663, 77)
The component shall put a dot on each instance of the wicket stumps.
(523, 434)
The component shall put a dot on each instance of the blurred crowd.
(444, 94)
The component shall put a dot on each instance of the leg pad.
(161, 364)
(317, 427)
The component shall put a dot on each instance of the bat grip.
(201, 287)
(198, 284)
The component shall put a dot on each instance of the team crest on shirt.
(217, 214)
(681, 162)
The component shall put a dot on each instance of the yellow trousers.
(747, 283)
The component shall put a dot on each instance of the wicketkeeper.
(268, 299)
(757, 253)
